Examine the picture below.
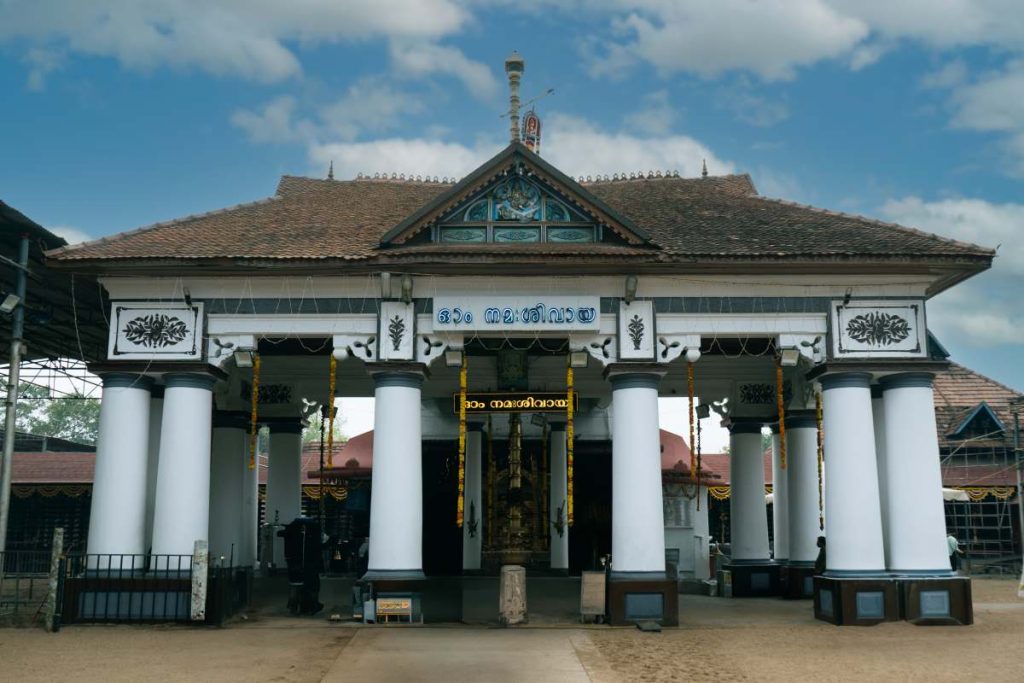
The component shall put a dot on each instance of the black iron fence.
(24, 583)
(126, 588)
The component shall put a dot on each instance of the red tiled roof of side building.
(959, 390)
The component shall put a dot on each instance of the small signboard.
(398, 607)
(516, 402)
(592, 595)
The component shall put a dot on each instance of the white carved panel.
(878, 329)
(636, 330)
(155, 331)
(397, 333)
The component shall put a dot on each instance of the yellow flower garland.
(568, 446)
(460, 512)
(254, 417)
(332, 381)
(780, 400)
(821, 457)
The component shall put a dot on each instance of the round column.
(228, 468)
(284, 480)
(802, 487)
(182, 512)
(557, 493)
(118, 510)
(748, 514)
(878, 416)
(852, 514)
(396, 496)
(780, 497)
(638, 521)
(156, 415)
(473, 525)
(917, 521)
(250, 522)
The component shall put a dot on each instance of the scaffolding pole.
(11, 400)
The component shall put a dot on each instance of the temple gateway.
(516, 329)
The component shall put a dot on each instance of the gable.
(980, 422)
(516, 197)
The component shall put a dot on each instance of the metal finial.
(514, 67)
(330, 171)
(704, 169)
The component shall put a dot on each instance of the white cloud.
(246, 38)
(272, 123)
(986, 310)
(656, 117)
(418, 59)
(749, 107)
(950, 75)
(72, 235)
(41, 63)
(408, 156)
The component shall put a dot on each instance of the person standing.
(954, 552)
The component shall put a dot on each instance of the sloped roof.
(958, 393)
(683, 220)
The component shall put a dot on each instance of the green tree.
(312, 432)
(75, 418)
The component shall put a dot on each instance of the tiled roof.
(959, 390)
(711, 218)
(718, 465)
(49, 467)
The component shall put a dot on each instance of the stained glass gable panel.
(516, 200)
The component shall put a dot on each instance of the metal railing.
(24, 581)
(117, 588)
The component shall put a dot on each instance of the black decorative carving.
(274, 393)
(396, 330)
(764, 394)
(636, 331)
(878, 328)
(603, 347)
(156, 330)
(472, 519)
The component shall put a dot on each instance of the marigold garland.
(331, 382)
(780, 400)
(690, 416)
(821, 458)
(254, 417)
(459, 514)
(568, 445)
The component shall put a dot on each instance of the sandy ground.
(718, 639)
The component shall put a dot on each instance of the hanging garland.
(780, 401)
(821, 457)
(462, 443)
(690, 416)
(568, 446)
(332, 381)
(253, 419)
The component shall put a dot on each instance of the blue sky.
(120, 113)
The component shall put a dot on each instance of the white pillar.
(853, 521)
(284, 479)
(228, 468)
(878, 417)
(182, 512)
(118, 513)
(780, 497)
(917, 521)
(802, 485)
(473, 524)
(638, 520)
(156, 414)
(396, 495)
(748, 513)
(557, 492)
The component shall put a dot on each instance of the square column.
(558, 492)
(638, 588)
(228, 468)
(396, 497)
(117, 520)
(753, 571)
(284, 481)
(780, 497)
(802, 487)
(182, 509)
(473, 526)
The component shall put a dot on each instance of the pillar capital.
(907, 380)
(475, 426)
(231, 419)
(190, 380)
(634, 375)
(799, 419)
(747, 425)
(126, 380)
(845, 380)
(409, 375)
(557, 425)
(285, 425)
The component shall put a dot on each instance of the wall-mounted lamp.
(692, 355)
(579, 359)
(630, 293)
(703, 411)
(407, 289)
(538, 420)
(243, 358)
(385, 285)
(789, 357)
(453, 358)
(10, 302)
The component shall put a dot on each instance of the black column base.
(755, 579)
(856, 601)
(642, 596)
(940, 600)
(799, 583)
